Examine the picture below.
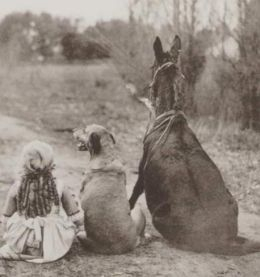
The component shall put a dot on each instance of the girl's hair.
(37, 191)
(36, 194)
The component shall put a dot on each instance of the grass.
(60, 97)
(68, 96)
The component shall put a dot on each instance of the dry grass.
(60, 97)
(237, 154)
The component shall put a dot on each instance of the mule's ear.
(158, 50)
(93, 144)
(176, 48)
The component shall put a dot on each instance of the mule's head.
(94, 138)
(165, 73)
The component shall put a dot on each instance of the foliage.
(217, 84)
(131, 45)
(231, 84)
(34, 36)
(130, 48)
(78, 47)
(248, 66)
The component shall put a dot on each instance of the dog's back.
(107, 214)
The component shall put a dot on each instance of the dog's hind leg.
(139, 220)
(89, 243)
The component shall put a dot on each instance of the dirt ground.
(40, 102)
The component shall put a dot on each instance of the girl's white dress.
(53, 234)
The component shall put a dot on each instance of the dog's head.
(93, 138)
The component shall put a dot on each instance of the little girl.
(36, 227)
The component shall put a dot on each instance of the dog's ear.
(93, 144)
(112, 137)
(74, 131)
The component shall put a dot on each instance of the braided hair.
(37, 191)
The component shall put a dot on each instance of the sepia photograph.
(130, 138)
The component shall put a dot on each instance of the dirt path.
(153, 258)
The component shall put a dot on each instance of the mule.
(185, 193)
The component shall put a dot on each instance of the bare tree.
(176, 15)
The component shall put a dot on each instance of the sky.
(90, 11)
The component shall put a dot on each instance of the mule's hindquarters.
(203, 241)
(186, 194)
(200, 231)
(188, 220)
(212, 230)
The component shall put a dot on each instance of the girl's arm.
(10, 204)
(9, 207)
(71, 206)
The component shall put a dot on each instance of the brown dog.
(111, 227)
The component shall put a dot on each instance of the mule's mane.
(161, 120)
(166, 121)
(158, 70)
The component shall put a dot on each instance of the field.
(47, 101)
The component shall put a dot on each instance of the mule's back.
(185, 192)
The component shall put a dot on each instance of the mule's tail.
(239, 246)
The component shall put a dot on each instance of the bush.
(78, 47)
